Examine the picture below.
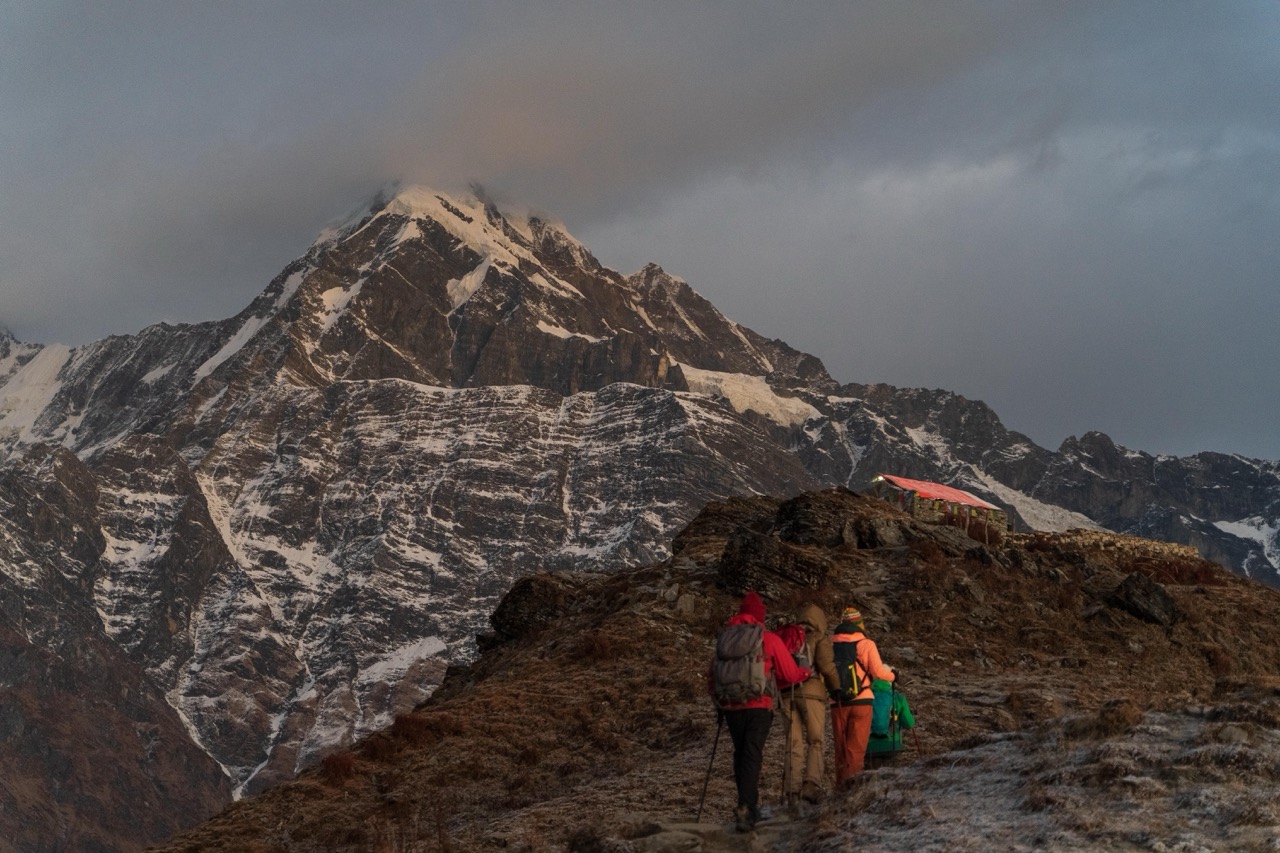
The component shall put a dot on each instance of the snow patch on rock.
(1256, 529)
(461, 290)
(1039, 515)
(749, 393)
(29, 392)
(561, 332)
(336, 300)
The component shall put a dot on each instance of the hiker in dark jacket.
(804, 710)
(748, 717)
(851, 715)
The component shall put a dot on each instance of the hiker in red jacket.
(858, 662)
(749, 662)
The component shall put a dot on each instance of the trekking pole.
(707, 781)
(914, 737)
(786, 742)
(895, 728)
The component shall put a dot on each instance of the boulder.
(1142, 597)
(953, 541)
(756, 561)
(533, 603)
(823, 518)
(874, 532)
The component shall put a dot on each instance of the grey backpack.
(738, 673)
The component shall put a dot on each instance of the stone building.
(939, 504)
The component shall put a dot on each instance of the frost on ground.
(1204, 778)
(1199, 779)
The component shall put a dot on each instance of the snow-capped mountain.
(290, 522)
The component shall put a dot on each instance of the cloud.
(586, 112)
(173, 163)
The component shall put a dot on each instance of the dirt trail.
(705, 837)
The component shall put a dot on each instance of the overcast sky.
(1068, 210)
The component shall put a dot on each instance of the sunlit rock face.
(289, 522)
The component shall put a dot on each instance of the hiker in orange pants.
(857, 663)
(851, 729)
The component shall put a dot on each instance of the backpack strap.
(859, 672)
(811, 648)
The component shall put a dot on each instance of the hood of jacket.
(813, 617)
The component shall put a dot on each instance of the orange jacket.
(868, 659)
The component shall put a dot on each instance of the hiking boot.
(742, 819)
(850, 783)
(811, 793)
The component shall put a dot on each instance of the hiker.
(749, 661)
(804, 708)
(857, 663)
(890, 714)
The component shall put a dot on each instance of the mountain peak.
(652, 274)
(502, 234)
(469, 215)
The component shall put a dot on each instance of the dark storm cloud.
(1065, 209)
(617, 104)
(170, 160)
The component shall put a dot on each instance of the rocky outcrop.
(1143, 597)
(762, 562)
(533, 603)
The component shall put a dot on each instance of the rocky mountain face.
(290, 523)
(1072, 691)
(94, 756)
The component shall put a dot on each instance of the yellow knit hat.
(851, 614)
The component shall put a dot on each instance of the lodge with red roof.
(938, 504)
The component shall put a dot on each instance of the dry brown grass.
(1037, 798)
(928, 552)
(1182, 572)
(1033, 706)
(338, 768)
(1115, 717)
(415, 729)
(1264, 714)
(1233, 761)
(1258, 809)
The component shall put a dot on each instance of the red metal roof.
(937, 491)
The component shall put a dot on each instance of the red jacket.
(778, 664)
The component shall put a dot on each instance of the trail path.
(715, 837)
